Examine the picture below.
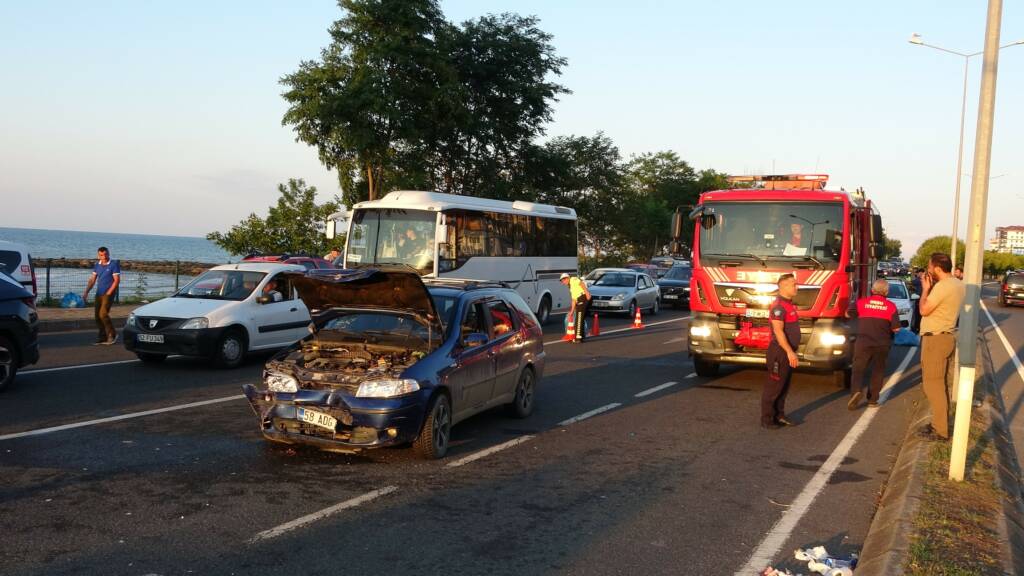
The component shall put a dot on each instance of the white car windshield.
(222, 285)
(617, 279)
(898, 291)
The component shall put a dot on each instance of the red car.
(309, 262)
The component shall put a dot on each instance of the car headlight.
(830, 339)
(277, 382)
(619, 296)
(700, 331)
(131, 321)
(903, 311)
(387, 388)
(687, 288)
(195, 324)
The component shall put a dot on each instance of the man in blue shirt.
(106, 275)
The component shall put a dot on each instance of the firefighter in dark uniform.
(877, 320)
(781, 357)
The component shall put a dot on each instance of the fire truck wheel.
(705, 369)
(842, 378)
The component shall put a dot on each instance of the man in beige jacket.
(942, 294)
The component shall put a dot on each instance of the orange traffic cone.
(570, 329)
(637, 322)
(595, 330)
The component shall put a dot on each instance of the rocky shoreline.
(149, 266)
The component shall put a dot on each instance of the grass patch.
(956, 531)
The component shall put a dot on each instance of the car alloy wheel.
(522, 404)
(7, 364)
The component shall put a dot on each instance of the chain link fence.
(140, 281)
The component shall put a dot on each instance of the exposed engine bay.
(326, 361)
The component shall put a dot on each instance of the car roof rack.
(465, 283)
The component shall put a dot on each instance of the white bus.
(526, 245)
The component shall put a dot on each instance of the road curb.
(888, 540)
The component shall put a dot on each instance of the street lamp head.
(916, 39)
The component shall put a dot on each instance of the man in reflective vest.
(781, 356)
(877, 320)
(580, 296)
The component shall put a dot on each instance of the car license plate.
(756, 313)
(151, 338)
(600, 303)
(318, 419)
(673, 296)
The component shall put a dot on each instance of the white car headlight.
(700, 331)
(195, 324)
(619, 296)
(830, 339)
(277, 382)
(387, 388)
(131, 320)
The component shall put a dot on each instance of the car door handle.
(294, 310)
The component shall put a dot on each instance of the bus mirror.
(331, 230)
(677, 224)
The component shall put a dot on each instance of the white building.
(1008, 239)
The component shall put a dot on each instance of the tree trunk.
(371, 185)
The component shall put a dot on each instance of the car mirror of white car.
(915, 296)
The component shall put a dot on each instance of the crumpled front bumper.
(361, 422)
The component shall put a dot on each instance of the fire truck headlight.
(700, 331)
(830, 339)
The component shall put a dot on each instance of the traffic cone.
(570, 329)
(596, 328)
(637, 322)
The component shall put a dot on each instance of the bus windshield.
(393, 236)
(778, 231)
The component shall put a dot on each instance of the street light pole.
(916, 39)
(975, 253)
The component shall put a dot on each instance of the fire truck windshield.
(760, 232)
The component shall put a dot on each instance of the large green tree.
(893, 247)
(295, 225)
(933, 245)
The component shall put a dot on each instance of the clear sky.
(165, 117)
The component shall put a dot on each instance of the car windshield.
(761, 231)
(898, 291)
(679, 273)
(393, 236)
(372, 324)
(222, 285)
(617, 279)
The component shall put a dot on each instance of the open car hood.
(397, 289)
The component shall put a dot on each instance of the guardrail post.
(177, 272)
(49, 263)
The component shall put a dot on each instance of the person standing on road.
(106, 276)
(942, 294)
(877, 320)
(580, 296)
(915, 288)
(781, 356)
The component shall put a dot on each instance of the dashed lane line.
(77, 366)
(691, 375)
(658, 388)
(1006, 343)
(321, 514)
(776, 538)
(41, 431)
(586, 415)
(488, 451)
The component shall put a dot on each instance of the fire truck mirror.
(876, 228)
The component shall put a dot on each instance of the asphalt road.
(676, 481)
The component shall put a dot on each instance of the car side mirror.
(915, 296)
(473, 340)
(263, 299)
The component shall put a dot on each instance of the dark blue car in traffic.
(393, 361)
(675, 286)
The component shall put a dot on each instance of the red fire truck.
(746, 237)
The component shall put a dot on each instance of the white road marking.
(691, 375)
(77, 366)
(626, 329)
(487, 452)
(40, 431)
(319, 515)
(674, 340)
(658, 388)
(776, 538)
(1006, 343)
(586, 415)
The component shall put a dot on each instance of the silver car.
(623, 290)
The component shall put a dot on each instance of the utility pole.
(967, 343)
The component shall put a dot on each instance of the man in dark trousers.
(580, 296)
(877, 320)
(106, 276)
(781, 356)
(915, 288)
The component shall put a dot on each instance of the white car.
(223, 314)
(900, 296)
(17, 263)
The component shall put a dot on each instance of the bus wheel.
(705, 369)
(544, 312)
